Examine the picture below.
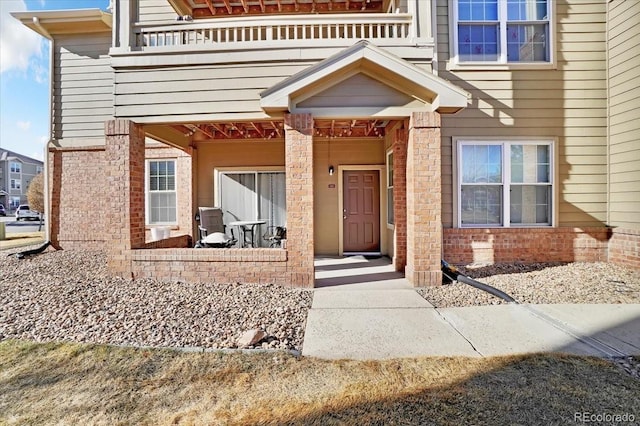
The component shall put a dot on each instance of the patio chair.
(212, 229)
(275, 235)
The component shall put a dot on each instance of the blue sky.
(24, 76)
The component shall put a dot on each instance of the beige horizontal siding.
(150, 11)
(82, 85)
(568, 104)
(204, 92)
(624, 110)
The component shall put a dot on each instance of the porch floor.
(357, 273)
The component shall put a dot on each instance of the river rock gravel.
(68, 296)
(538, 283)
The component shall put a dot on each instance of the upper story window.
(502, 31)
(16, 184)
(16, 167)
(38, 169)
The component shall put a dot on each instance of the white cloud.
(38, 155)
(44, 140)
(24, 125)
(18, 44)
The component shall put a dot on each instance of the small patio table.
(247, 227)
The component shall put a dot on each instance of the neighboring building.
(474, 130)
(16, 173)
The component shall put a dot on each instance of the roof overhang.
(364, 58)
(49, 23)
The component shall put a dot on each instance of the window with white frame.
(15, 167)
(38, 169)
(161, 192)
(502, 31)
(16, 184)
(505, 183)
(390, 212)
(252, 195)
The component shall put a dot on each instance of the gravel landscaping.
(542, 283)
(68, 296)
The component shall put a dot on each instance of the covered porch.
(361, 111)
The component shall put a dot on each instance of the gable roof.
(365, 58)
(6, 155)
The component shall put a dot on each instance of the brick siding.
(465, 246)
(400, 199)
(79, 191)
(624, 248)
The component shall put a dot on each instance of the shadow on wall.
(567, 104)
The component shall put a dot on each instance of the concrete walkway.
(363, 309)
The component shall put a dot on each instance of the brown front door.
(361, 214)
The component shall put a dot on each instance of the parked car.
(3, 212)
(25, 212)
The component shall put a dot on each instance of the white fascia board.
(47, 18)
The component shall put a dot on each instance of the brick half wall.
(223, 266)
(481, 246)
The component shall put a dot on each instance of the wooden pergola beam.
(227, 4)
(205, 132)
(220, 129)
(211, 7)
(258, 128)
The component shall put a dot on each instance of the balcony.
(268, 32)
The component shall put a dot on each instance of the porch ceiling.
(275, 129)
(183, 135)
(221, 8)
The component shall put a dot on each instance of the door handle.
(344, 217)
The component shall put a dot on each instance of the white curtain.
(252, 196)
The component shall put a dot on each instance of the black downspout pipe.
(452, 273)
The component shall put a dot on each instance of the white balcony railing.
(277, 30)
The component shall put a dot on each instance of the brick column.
(400, 199)
(299, 180)
(424, 200)
(125, 206)
(55, 189)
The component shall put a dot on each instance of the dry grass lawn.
(88, 384)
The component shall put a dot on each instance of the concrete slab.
(368, 299)
(357, 272)
(616, 326)
(511, 329)
(381, 334)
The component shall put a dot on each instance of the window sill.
(505, 227)
(171, 226)
(479, 66)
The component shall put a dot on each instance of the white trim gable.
(435, 93)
